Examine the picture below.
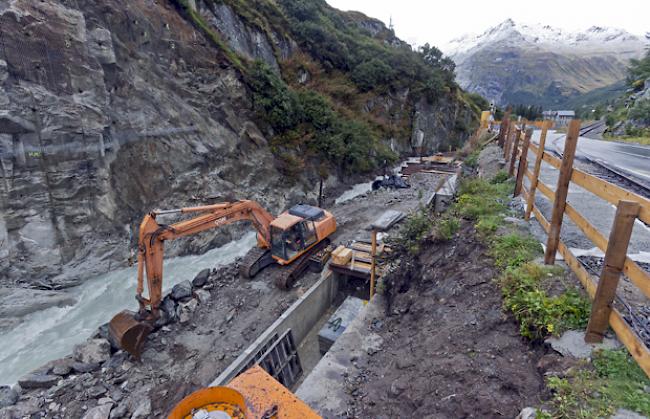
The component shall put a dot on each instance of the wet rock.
(32, 381)
(93, 351)
(201, 278)
(168, 305)
(99, 412)
(182, 291)
(143, 409)
(102, 332)
(8, 396)
(83, 367)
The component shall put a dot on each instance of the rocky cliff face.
(110, 109)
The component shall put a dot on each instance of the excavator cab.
(297, 230)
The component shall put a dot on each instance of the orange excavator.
(289, 240)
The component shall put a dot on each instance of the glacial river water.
(52, 333)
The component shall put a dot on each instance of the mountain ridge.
(539, 64)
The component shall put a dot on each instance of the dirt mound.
(449, 350)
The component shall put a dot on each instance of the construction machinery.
(252, 395)
(289, 240)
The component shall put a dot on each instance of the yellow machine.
(288, 240)
(253, 394)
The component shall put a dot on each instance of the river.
(52, 333)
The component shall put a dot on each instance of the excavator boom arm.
(153, 235)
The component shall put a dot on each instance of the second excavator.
(288, 240)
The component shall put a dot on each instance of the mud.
(448, 349)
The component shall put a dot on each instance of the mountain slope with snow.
(535, 64)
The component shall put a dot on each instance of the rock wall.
(111, 109)
(108, 111)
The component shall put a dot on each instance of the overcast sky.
(437, 22)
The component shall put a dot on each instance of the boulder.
(93, 351)
(203, 296)
(99, 412)
(182, 291)
(32, 381)
(201, 278)
(185, 310)
(82, 367)
(168, 305)
(8, 396)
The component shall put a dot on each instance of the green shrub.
(640, 111)
(416, 227)
(446, 228)
(538, 313)
(306, 124)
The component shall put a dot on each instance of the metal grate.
(279, 357)
(281, 360)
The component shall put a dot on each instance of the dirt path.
(448, 349)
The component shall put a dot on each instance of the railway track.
(637, 316)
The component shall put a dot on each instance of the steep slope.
(541, 65)
(111, 109)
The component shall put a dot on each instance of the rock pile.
(99, 381)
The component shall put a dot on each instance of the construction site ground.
(437, 346)
(182, 357)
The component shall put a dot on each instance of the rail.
(517, 145)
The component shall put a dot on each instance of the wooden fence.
(629, 207)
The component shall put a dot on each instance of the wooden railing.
(629, 207)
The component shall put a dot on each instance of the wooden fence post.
(538, 166)
(562, 190)
(619, 239)
(373, 253)
(506, 146)
(523, 162)
(503, 129)
(515, 149)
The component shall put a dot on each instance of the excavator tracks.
(289, 274)
(254, 261)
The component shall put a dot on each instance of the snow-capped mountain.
(513, 63)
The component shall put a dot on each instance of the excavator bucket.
(129, 333)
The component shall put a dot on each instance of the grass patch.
(525, 293)
(472, 159)
(483, 202)
(513, 250)
(613, 380)
(645, 140)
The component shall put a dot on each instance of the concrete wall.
(300, 318)
(324, 388)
